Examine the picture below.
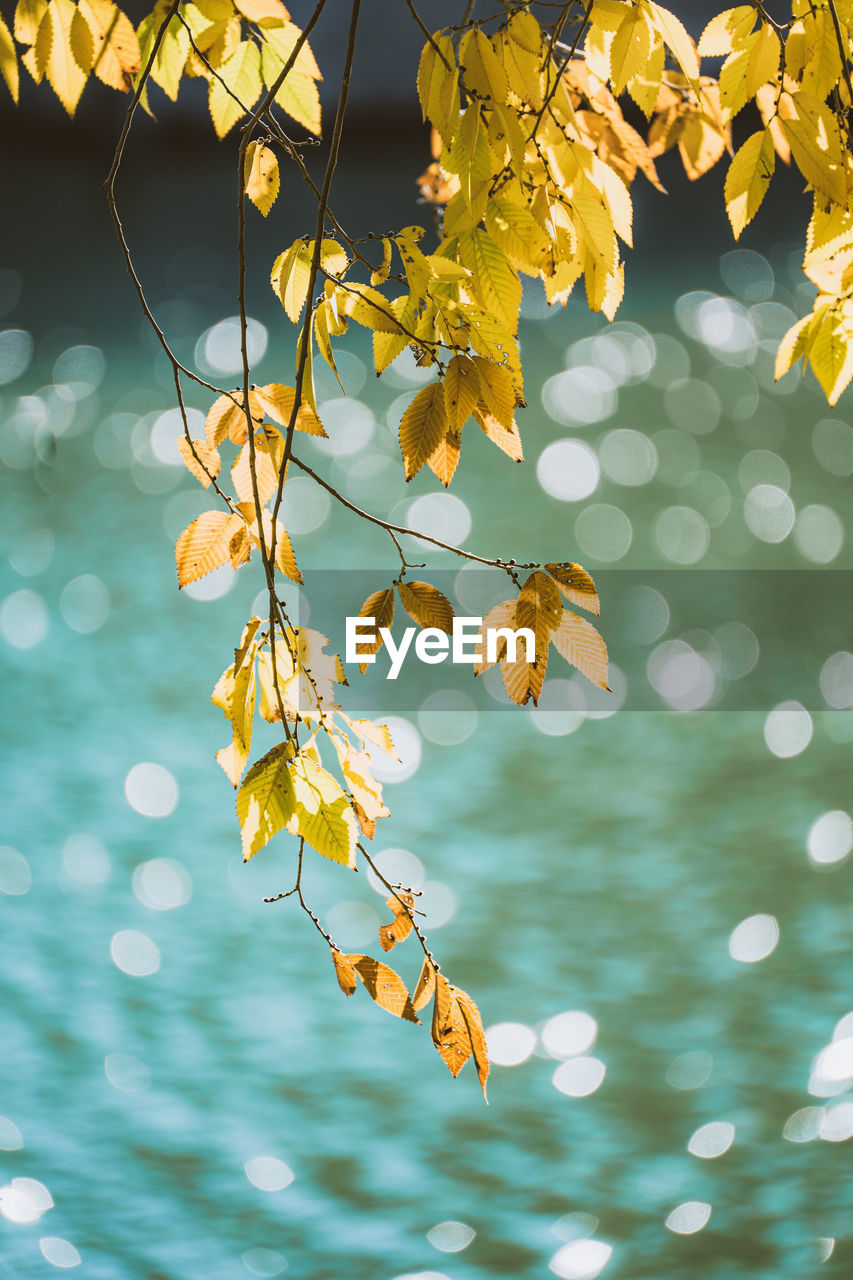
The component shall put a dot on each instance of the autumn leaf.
(426, 605)
(422, 427)
(380, 606)
(345, 973)
(204, 545)
(384, 986)
(261, 176)
(401, 926)
(576, 584)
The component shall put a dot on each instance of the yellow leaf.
(200, 460)
(438, 84)
(822, 68)
(677, 39)
(322, 816)
(575, 584)
(203, 545)
(539, 606)
(384, 986)
(426, 605)
(461, 391)
(629, 49)
(345, 973)
(497, 392)
(422, 428)
(444, 459)
(831, 354)
(367, 307)
(276, 401)
(298, 95)
(517, 234)
(507, 439)
(482, 68)
(579, 643)
(748, 179)
(66, 77)
(291, 277)
(645, 86)
(379, 606)
(285, 560)
(500, 616)
(380, 275)
(401, 926)
(236, 88)
(8, 60)
(812, 130)
(81, 42)
(521, 48)
(726, 31)
(796, 343)
(259, 10)
(476, 1035)
(449, 1028)
(764, 60)
(224, 419)
(266, 801)
(261, 176)
(115, 58)
(28, 19)
(269, 451)
(425, 989)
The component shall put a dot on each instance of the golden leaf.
(422, 428)
(426, 605)
(575, 584)
(261, 176)
(115, 56)
(461, 391)
(425, 989)
(266, 801)
(8, 60)
(345, 973)
(276, 401)
(444, 460)
(200, 460)
(379, 605)
(449, 1028)
(204, 545)
(384, 986)
(580, 644)
(401, 926)
(476, 1035)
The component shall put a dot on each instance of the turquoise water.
(595, 865)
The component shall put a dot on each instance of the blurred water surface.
(652, 908)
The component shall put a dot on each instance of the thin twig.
(109, 187)
(410, 912)
(506, 565)
(306, 338)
